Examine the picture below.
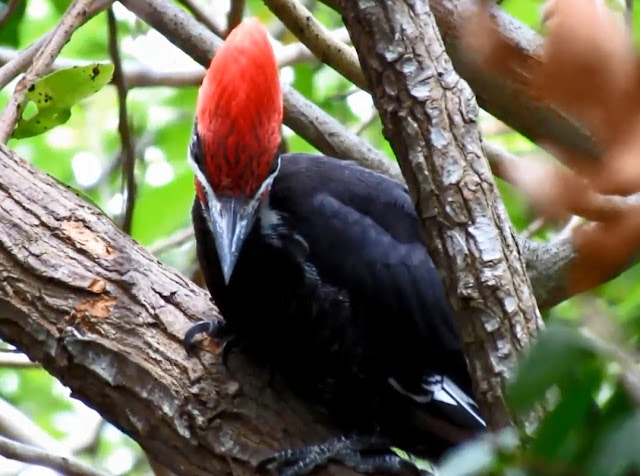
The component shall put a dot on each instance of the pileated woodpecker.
(319, 268)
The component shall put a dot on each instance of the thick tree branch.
(107, 319)
(429, 117)
(504, 96)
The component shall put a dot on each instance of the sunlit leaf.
(55, 93)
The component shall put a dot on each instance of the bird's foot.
(217, 329)
(362, 454)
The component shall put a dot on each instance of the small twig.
(126, 139)
(359, 129)
(16, 425)
(297, 52)
(8, 10)
(318, 39)
(203, 17)
(534, 227)
(177, 239)
(573, 223)
(135, 75)
(236, 12)
(628, 14)
(30, 454)
(71, 20)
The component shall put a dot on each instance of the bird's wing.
(363, 236)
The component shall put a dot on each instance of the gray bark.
(107, 319)
(429, 117)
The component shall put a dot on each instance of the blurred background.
(85, 154)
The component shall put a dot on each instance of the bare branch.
(177, 239)
(203, 17)
(503, 95)
(8, 9)
(75, 15)
(126, 138)
(30, 454)
(16, 425)
(235, 14)
(318, 39)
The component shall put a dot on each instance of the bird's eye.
(195, 150)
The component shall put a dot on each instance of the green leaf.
(478, 456)
(557, 353)
(43, 121)
(562, 433)
(163, 210)
(55, 93)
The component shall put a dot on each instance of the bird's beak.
(230, 220)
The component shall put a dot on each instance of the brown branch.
(19, 427)
(126, 138)
(235, 14)
(312, 33)
(9, 8)
(174, 241)
(203, 17)
(429, 118)
(30, 454)
(106, 318)
(502, 94)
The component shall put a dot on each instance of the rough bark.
(107, 319)
(429, 117)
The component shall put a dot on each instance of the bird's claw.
(365, 455)
(216, 329)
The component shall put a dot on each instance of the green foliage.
(10, 31)
(55, 93)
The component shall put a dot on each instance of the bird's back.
(335, 289)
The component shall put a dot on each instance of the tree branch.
(8, 9)
(107, 319)
(127, 148)
(429, 117)
(31, 454)
(235, 14)
(75, 16)
(317, 38)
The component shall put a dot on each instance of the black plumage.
(334, 288)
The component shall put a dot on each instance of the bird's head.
(236, 136)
